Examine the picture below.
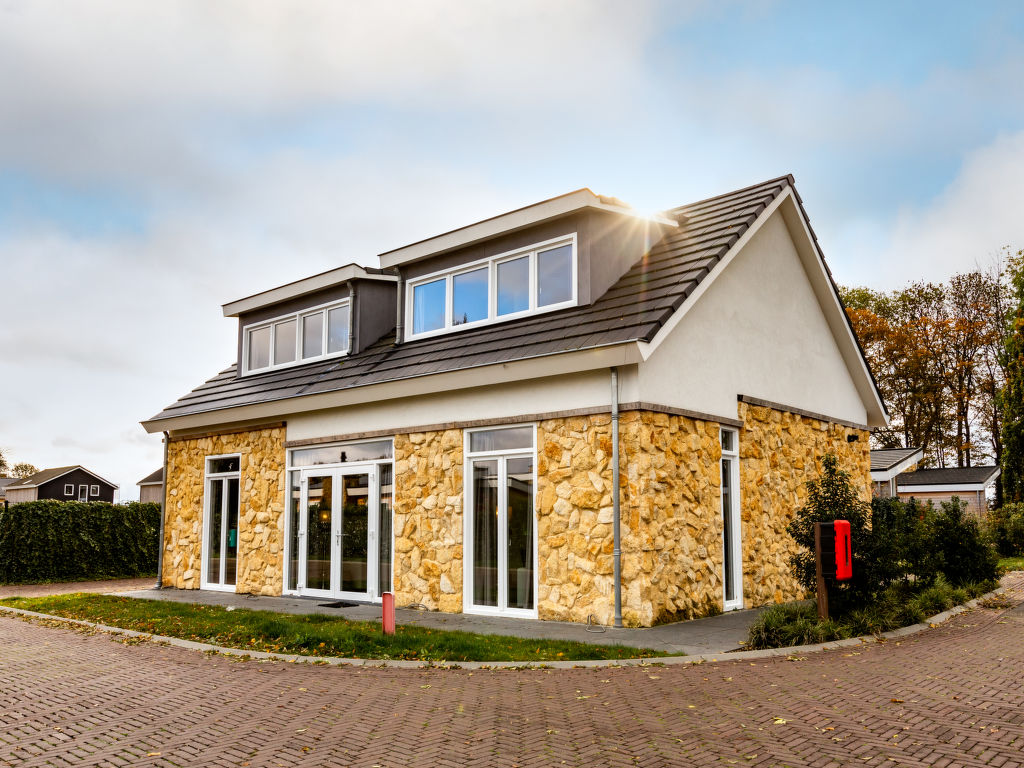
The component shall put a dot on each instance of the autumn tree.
(23, 469)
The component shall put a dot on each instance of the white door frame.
(502, 457)
(337, 475)
(208, 480)
(732, 556)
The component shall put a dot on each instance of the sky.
(158, 160)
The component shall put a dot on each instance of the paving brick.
(78, 699)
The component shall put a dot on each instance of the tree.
(1012, 397)
(3, 464)
(23, 469)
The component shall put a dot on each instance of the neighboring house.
(4, 482)
(151, 487)
(63, 484)
(442, 427)
(886, 464)
(970, 484)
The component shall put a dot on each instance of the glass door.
(220, 524)
(501, 531)
(338, 524)
(732, 550)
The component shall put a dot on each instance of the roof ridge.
(788, 178)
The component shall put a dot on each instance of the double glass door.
(339, 530)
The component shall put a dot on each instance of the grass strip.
(1012, 563)
(312, 634)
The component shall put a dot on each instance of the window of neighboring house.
(94, 490)
(300, 337)
(83, 493)
(69, 489)
(539, 278)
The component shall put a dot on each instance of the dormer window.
(299, 337)
(527, 281)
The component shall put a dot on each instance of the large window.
(300, 337)
(220, 523)
(500, 525)
(535, 279)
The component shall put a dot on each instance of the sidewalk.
(67, 587)
(717, 634)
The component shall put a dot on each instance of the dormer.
(559, 253)
(330, 315)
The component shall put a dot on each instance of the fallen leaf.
(896, 701)
(779, 721)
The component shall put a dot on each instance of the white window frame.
(467, 526)
(69, 489)
(94, 490)
(297, 316)
(491, 262)
(203, 558)
(300, 539)
(736, 555)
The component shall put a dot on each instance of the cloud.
(961, 228)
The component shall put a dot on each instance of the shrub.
(967, 554)
(72, 541)
(900, 546)
(1006, 527)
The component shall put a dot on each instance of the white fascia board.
(786, 203)
(880, 475)
(610, 356)
(509, 222)
(953, 488)
(302, 287)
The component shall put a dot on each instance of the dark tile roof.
(951, 476)
(888, 458)
(633, 309)
(152, 478)
(44, 476)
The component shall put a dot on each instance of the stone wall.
(261, 508)
(778, 455)
(428, 519)
(670, 529)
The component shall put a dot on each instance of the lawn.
(1012, 563)
(313, 635)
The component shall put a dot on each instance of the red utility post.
(388, 606)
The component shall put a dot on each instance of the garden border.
(647, 661)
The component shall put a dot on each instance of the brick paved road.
(951, 696)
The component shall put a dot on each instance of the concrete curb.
(472, 665)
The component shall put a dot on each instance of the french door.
(502, 535)
(220, 524)
(339, 522)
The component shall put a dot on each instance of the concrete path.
(716, 634)
(67, 587)
(948, 696)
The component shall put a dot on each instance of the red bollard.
(388, 604)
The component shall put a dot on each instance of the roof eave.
(303, 287)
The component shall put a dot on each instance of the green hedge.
(74, 541)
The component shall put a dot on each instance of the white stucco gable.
(767, 325)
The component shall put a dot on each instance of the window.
(500, 528)
(535, 279)
(69, 490)
(219, 563)
(732, 550)
(300, 337)
(94, 490)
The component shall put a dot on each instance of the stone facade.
(670, 529)
(778, 455)
(261, 508)
(428, 520)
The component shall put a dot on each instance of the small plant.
(967, 554)
(1006, 527)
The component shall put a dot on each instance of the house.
(569, 411)
(151, 487)
(887, 463)
(75, 483)
(971, 484)
(4, 482)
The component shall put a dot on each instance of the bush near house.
(73, 541)
(910, 561)
(1006, 526)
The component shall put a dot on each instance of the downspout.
(400, 308)
(163, 511)
(616, 538)
(352, 318)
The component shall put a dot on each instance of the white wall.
(758, 330)
(563, 393)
